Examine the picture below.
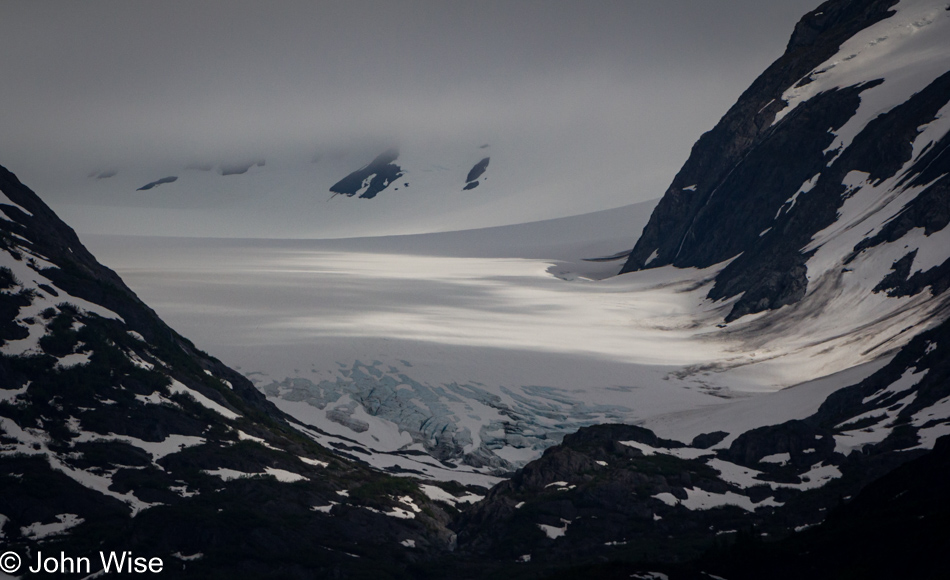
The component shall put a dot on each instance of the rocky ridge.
(116, 431)
(620, 493)
(834, 119)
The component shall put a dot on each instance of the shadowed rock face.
(157, 182)
(621, 492)
(371, 179)
(740, 174)
(895, 528)
(475, 173)
(771, 271)
(124, 434)
(816, 38)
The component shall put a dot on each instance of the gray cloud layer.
(113, 84)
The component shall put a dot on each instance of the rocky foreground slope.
(825, 189)
(117, 433)
(619, 492)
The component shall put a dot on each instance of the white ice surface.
(155, 398)
(281, 475)
(682, 453)
(736, 474)
(789, 204)
(650, 576)
(314, 462)
(554, 532)
(418, 465)
(72, 360)
(698, 499)
(177, 387)
(229, 474)
(324, 508)
(395, 512)
(780, 458)
(737, 416)
(11, 395)
(290, 197)
(407, 500)
(907, 381)
(157, 449)
(817, 476)
(245, 437)
(933, 422)
(37, 531)
(438, 494)
(881, 424)
(814, 478)
(367, 339)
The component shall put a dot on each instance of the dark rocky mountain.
(778, 168)
(371, 179)
(471, 180)
(620, 493)
(117, 433)
(894, 528)
(157, 182)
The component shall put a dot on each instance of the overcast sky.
(97, 85)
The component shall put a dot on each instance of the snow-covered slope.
(462, 355)
(284, 196)
(429, 343)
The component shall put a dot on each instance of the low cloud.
(117, 86)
